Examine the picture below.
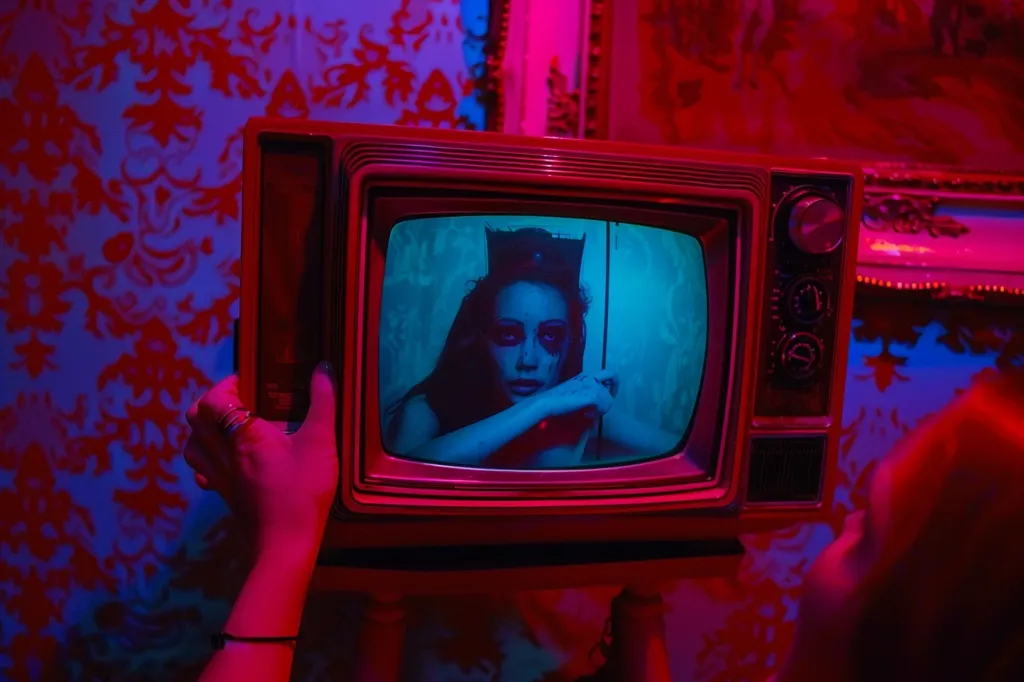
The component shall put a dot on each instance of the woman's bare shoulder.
(418, 407)
(414, 424)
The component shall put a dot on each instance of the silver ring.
(234, 419)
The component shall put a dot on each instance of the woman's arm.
(626, 433)
(269, 605)
(417, 427)
(281, 488)
(634, 436)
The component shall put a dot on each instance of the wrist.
(290, 553)
(535, 409)
(272, 597)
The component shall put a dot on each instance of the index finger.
(219, 402)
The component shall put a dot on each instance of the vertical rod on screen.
(604, 336)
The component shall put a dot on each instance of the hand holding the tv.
(591, 394)
(280, 485)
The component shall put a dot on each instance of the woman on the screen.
(509, 389)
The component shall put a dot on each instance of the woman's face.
(529, 338)
(822, 624)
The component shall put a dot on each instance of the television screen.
(532, 342)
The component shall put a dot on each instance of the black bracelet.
(221, 638)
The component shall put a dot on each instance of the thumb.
(323, 403)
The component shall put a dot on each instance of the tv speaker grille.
(786, 468)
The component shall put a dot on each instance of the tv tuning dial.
(806, 300)
(800, 355)
(817, 224)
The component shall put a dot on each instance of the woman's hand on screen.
(281, 486)
(609, 379)
(583, 393)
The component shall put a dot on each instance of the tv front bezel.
(642, 486)
(695, 465)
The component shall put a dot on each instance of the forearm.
(636, 437)
(473, 444)
(269, 605)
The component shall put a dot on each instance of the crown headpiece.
(534, 249)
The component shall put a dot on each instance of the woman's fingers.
(211, 471)
(320, 422)
(210, 438)
(228, 419)
(204, 463)
(220, 410)
(208, 451)
(609, 379)
(218, 419)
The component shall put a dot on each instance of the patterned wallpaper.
(120, 125)
(119, 251)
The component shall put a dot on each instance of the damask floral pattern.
(119, 176)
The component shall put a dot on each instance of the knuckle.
(249, 430)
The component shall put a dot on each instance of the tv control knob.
(817, 224)
(800, 355)
(807, 300)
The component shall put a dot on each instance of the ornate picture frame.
(491, 46)
(943, 232)
(534, 69)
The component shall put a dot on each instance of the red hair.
(945, 599)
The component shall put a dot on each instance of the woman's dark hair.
(462, 388)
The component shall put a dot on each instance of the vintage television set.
(549, 348)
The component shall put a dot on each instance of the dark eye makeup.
(551, 334)
(507, 333)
